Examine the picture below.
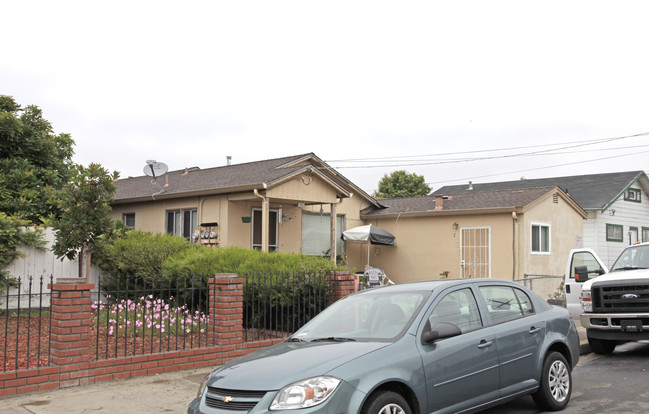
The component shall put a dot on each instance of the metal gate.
(475, 243)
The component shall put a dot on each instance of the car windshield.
(371, 315)
(636, 257)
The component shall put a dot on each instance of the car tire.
(602, 346)
(556, 383)
(386, 402)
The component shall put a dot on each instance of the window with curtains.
(316, 234)
(182, 222)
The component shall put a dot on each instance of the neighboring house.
(496, 233)
(617, 205)
(283, 204)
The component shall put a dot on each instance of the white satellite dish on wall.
(155, 169)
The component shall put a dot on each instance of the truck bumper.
(618, 326)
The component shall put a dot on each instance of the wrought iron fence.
(276, 305)
(137, 316)
(25, 322)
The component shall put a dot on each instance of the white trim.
(540, 225)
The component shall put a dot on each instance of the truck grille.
(621, 296)
(233, 400)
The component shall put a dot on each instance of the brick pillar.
(226, 309)
(342, 284)
(70, 313)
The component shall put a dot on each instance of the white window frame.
(540, 236)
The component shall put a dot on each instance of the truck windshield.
(636, 257)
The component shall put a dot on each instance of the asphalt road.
(615, 383)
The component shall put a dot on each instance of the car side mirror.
(441, 330)
(581, 273)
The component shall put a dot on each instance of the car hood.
(279, 365)
(617, 275)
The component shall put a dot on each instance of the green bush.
(208, 261)
(140, 253)
(15, 232)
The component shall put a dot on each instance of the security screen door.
(475, 243)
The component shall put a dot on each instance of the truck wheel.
(387, 402)
(556, 383)
(601, 346)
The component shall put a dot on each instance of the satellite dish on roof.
(155, 169)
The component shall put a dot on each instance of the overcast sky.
(428, 87)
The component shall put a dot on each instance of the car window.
(372, 315)
(502, 303)
(458, 308)
(583, 259)
(524, 301)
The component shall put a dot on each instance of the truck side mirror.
(581, 273)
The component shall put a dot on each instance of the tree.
(401, 184)
(34, 162)
(85, 205)
(15, 232)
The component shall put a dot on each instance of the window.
(316, 234)
(505, 304)
(129, 220)
(645, 234)
(540, 238)
(257, 230)
(182, 222)
(458, 308)
(614, 232)
(633, 194)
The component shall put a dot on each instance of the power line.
(419, 162)
(539, 168)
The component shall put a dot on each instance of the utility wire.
(418, 162)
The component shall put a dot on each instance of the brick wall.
(70, 348)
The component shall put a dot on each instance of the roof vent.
(228, 160)
(470, 186)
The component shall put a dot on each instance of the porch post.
(332, 251)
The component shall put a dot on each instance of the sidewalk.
(170, 392)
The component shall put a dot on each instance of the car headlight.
(305, 393)
(586, 301)
(202, 387)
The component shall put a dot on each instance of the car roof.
(429, 285)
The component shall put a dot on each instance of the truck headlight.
(586, 301)
(305, 393)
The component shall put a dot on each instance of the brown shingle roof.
(518, 198)
(226, 179)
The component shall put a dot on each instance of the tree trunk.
(81, 254)
(89, 254)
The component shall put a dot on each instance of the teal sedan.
(447, 346)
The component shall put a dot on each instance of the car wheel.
(387, 402)
(602, 346)
(556, 383)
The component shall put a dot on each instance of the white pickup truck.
(612, 305)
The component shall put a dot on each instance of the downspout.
(264, 219)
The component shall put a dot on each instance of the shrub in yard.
(137, 254)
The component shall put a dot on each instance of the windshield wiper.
(630, 268)
(333, 339)
(294, 339)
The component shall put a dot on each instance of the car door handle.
(534, 330)
(485, 344)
